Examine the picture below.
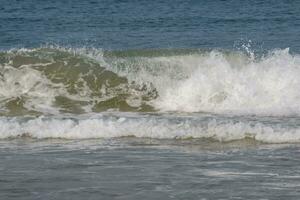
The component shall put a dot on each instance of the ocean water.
(155, 100)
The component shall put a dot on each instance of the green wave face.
(52, 80)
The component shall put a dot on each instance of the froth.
(160, 127)
(268, 86)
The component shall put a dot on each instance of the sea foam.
(220, 128)
(218, 83)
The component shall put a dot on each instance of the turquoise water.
(154, 100)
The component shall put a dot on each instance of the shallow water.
(131, 168)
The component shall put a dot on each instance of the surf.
(210, 127)
(53, 80)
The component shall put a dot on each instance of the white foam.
(30, 84)
(217, 83)
(160, 127)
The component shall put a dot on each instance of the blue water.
(122, 24)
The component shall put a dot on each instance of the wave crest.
(59, 80)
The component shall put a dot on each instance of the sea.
(161, 99)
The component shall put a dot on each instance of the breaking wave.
(55, 92)
(166, 126)
(55, 80)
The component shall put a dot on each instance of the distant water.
(181, 99)
(121, 24)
